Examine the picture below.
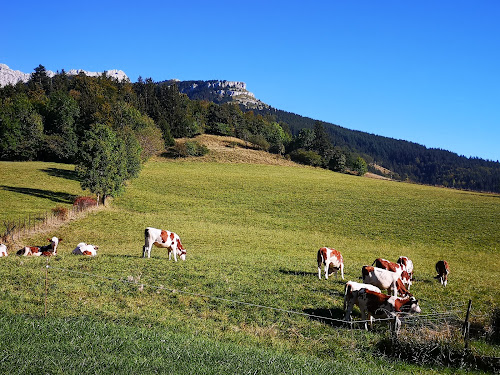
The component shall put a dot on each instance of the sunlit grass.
(252, 233)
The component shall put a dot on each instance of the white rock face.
(9, 76)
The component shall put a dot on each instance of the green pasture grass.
(35, 187)
(250, 278)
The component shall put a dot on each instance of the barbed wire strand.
(172, 290)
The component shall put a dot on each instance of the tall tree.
(103, 166)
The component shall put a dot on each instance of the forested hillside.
(73, 118)
(406, 160)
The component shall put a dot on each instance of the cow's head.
(183, 254)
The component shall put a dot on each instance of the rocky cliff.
(219, 92)
(10, 76)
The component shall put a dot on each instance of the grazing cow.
(331, 258)
(388, 265)
(443, 269)
(351, 290)
(163, 238)
(378, 305)
(85, 249)
(384, 279)
(407, 263)
(28, 251)
(3, 250)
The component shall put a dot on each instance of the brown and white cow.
(351, 290)
(3, 250)
(407, 263)
(443, 269)
(330, 258)
(377, 305)
(394, 267)
(85, 249)
(50, 249)
(385, 280)
(163, 238)
(28, 251)
(46, 250)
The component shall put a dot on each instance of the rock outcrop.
(10, 76)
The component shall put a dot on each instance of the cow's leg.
(342, 270)
(175, 253)
(319, 271)
(327, 266)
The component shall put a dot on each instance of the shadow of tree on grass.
(62, 173)
(39, 193)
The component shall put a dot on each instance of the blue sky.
(424, 71)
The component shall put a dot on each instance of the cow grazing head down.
(332, 260)
(377, 305)
(165, 239)
(442, 269)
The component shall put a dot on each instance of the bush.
(60, 212)
(259, 142)
(84, 202)
(306, 157)
(189, 148)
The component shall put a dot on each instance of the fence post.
(46, 285)
(466, 326)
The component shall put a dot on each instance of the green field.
(245, 299)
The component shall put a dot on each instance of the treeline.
(109, 128)
(407, 161)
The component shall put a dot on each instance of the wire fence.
(12, 230)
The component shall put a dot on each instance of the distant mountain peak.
(9, 76)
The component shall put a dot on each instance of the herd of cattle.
(396, 278)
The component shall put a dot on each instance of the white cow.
(3, 250)
(378, 305)
(407, 263)
(384, 279)
(351, 290)
(330, 258)
(85, 249)
(163, 238)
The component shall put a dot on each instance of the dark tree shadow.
(332, 317)
(46, 194)
(62, 173)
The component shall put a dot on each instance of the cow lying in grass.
(46, 250)
(165, 239)
(3, 250)
(332, 260)
(85, 249)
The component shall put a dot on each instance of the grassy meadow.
(244, 301)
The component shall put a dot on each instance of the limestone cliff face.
(10, 76)
(219, 92)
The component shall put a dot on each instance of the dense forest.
(406, 161)
(78, 119)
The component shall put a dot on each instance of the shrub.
(84, 202)
(60, 212)
(259, 141)
(306, 157)
(189, 148)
